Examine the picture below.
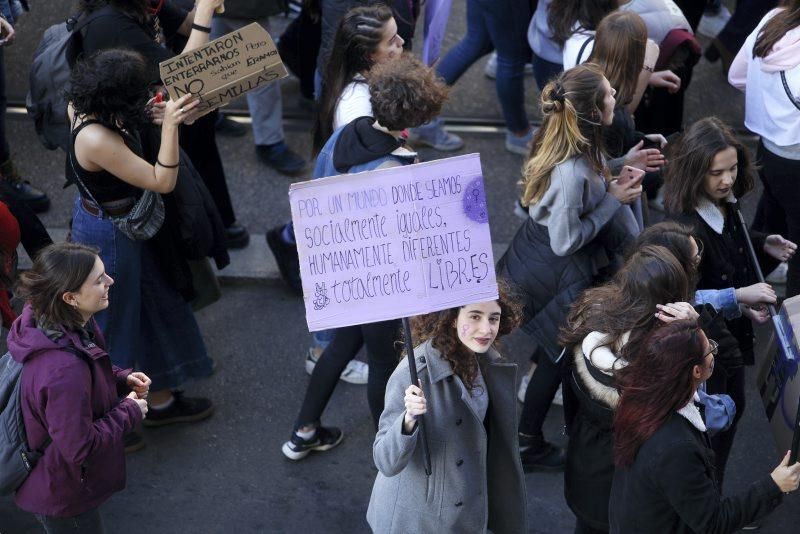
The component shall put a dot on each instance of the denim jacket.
(324, 166)
(12, 9)
(723, 300)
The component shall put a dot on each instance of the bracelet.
(204, 29)
(168, 166)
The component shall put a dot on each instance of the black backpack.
(51, 69)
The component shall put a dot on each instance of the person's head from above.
(619, 50)
(405, 93)
(575, 107)
(564, 15)
(679, 240)
(674, 360)
(111, 86)
(652, 275)
(706, 162)
(66, 285)
(366, 36)
(462, 333)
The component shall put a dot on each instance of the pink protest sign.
(393, 243)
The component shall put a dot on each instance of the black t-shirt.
(115, 29)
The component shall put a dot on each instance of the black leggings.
(382, 356)
(539, 395)
(730, 382)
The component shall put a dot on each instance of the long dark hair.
(676, 238)
(619, 48)
(656, 384)
(111, 85)
(358, 36)
(691, 157)
(563, 14)
(627, 303)
(572, 107)
(57, 269)
(440, 328)
(777, 27)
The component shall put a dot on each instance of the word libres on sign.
(393, 243)
(225, 68)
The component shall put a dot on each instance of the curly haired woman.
(470, 414)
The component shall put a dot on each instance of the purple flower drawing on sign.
(474, 201)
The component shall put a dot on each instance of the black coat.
(671, 488)
(726, 263)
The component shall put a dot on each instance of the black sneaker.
(325, 439)
(236, 236)
(281, 158)
(133, 442)
(229, 127)
(539, 455)
(286, 258)
(182, 410)
(12, 185)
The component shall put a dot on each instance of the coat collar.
(709, 212)
(439, 368)
(692, 414)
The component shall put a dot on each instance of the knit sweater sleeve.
(570, 224)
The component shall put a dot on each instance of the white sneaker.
(356, 372)
(523, 385)
(490, 70)
(778, 276)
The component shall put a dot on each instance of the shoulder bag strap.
(788, 91)
(583, 49)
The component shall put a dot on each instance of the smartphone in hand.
(630, 176)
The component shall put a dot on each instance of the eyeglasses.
(714, 348)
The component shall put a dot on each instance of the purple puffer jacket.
(75, 398)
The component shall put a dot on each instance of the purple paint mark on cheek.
(474, 201)
(464, 329)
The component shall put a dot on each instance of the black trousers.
(5, 152)
(539, 395)
(382, 356)
(745, 18)
(779, 207)
(730, 381)
(200, 143)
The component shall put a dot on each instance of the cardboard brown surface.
(225, 68)
(778, 381)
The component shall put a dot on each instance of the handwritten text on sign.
(225, 68)
(393, 243)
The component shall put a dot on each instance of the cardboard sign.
(224, 69)
(393, 243)
(778, 380)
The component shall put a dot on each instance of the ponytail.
(571, 107)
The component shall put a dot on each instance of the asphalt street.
(227, 474)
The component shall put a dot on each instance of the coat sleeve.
(569, 228)
(681, 473)
(393, 448)
(68, 413)
(121, 378)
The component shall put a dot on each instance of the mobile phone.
(630, 175)
(649, 143)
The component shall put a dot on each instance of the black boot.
(539, 455)
(12, 185)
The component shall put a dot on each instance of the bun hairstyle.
(571, 107)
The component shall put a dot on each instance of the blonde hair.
(572, 109)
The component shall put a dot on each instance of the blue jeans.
(147, 324)
(544, 71)
(501, 25)
(86, 523)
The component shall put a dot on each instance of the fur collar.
(603, 359)
(709, 212)
(599, 392)
(692, 414)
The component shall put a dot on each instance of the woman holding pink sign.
(476, 482)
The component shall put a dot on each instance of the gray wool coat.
(477, 484)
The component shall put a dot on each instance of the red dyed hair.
(656, 383)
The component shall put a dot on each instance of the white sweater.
(353, 103)
(768, 110)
